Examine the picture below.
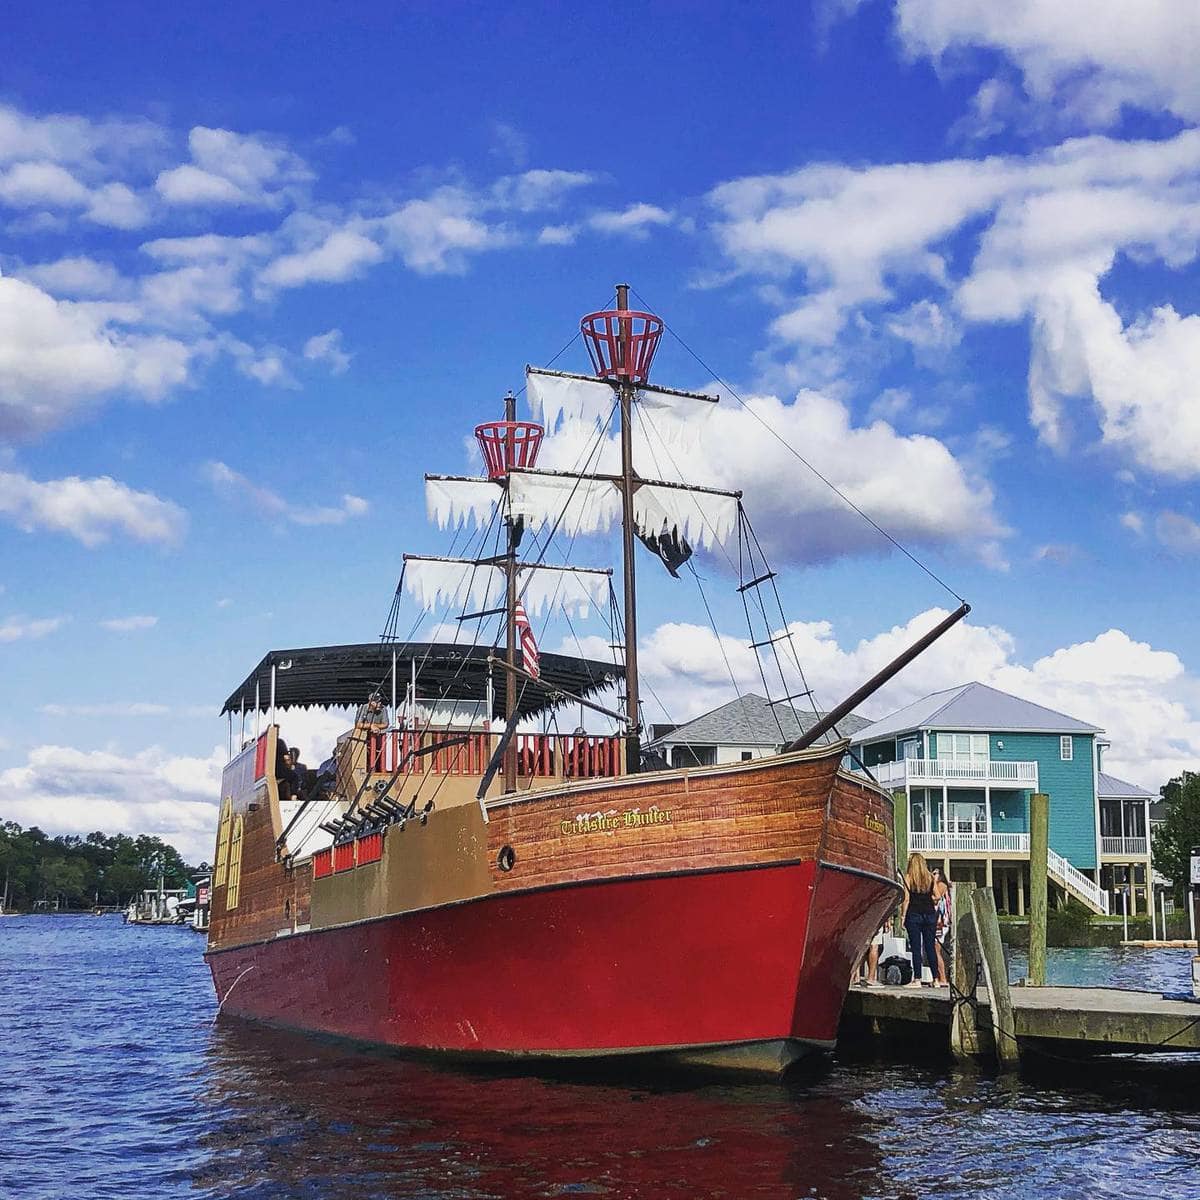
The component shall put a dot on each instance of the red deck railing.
(539, 755)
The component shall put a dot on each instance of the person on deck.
(372, 714)
(919, 916)
(943, 943)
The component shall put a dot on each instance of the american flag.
(529, 650)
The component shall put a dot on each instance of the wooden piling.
(995, 972)
(1039, 846)
(964, 1029)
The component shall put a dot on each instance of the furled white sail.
(441, 583)
(702, 518)
(458, 501)
(569, 503)
(556, 397)
(436, 583)
(576, 591)
(674, 421)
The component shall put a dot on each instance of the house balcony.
(968, 843)
(1124, 847)
(939, 772)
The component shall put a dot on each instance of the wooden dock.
(1064, 1019)
(984, 1017)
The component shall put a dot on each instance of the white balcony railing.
(968, 843)
(923, 772)
(1137, 847)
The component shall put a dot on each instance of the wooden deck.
(1089, 1020)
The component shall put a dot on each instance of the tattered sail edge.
(573, 503)
(702, 518)
(558, 397)
(437, 583)
(456, 501)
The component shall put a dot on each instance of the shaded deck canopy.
(345, 676)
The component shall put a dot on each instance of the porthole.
(507, 858)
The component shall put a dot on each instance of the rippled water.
(116, 1083)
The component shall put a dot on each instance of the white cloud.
(912, 484)
(538, 189)
(230, 483)
(62, 789)
(927, 327)
(438, 233)
(89, 510)
(1088, 58)
(114, 708)
(233, 169)
(636, 220)
(118, 207)
(557, 235)
(1133, 522)
(1177, 532)
(55, 356)
(1048, 228)
(327, 347)
(79, 276)
(79, 141)
(16, 629)
(129, 624)
(29, 184)
(1143, 697)
(343, 254)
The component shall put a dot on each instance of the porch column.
(946, 827)
(1020, 892)
(987, 824)
(907, 818)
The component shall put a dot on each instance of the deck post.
(1039, 845)
(964, 1030)
(995, 973)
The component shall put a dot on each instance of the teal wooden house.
(965, 762)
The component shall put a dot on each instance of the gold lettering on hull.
(875, 825)
(611, 822)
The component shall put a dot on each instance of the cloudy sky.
(262, 266)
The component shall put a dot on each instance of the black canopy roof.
(345, 676)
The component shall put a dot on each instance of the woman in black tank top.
(920, 919)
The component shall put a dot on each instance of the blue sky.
(262, 266)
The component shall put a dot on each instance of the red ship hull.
(699, 964)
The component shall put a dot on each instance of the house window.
(1066, 747)
(747, 755)
(967, 749)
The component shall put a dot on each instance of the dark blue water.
(116, 1083)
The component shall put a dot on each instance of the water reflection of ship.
(555, 895)
(314, 1118)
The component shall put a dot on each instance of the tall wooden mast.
(633, 738)
(510, 606)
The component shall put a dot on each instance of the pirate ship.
(464, 878)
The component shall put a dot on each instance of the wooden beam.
(995, 973)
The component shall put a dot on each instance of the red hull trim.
(640, 965)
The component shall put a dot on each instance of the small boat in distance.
(456, 880)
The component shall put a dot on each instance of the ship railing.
(539, 755)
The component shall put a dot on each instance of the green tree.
(1180, 831)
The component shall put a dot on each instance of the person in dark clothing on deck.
(919, 916)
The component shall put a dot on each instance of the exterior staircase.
(1075, 883)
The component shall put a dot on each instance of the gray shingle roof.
(974, 706)
(749, 721)
(1109, 786)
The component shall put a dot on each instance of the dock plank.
(1104, 1018)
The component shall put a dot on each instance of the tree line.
(70, 871)
(1179, 830)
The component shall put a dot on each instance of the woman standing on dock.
(919, 916)
(941, 908)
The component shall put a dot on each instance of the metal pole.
(1125, 908)
(510, 605)
(230, 733)
(1039, 847)
(876, 682)
(1191, 903)
(393, 689)
(633, 741)
(257, 712)
(1154, 913)
(243, 733)
(272, 721)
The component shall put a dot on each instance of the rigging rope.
(800, 457)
